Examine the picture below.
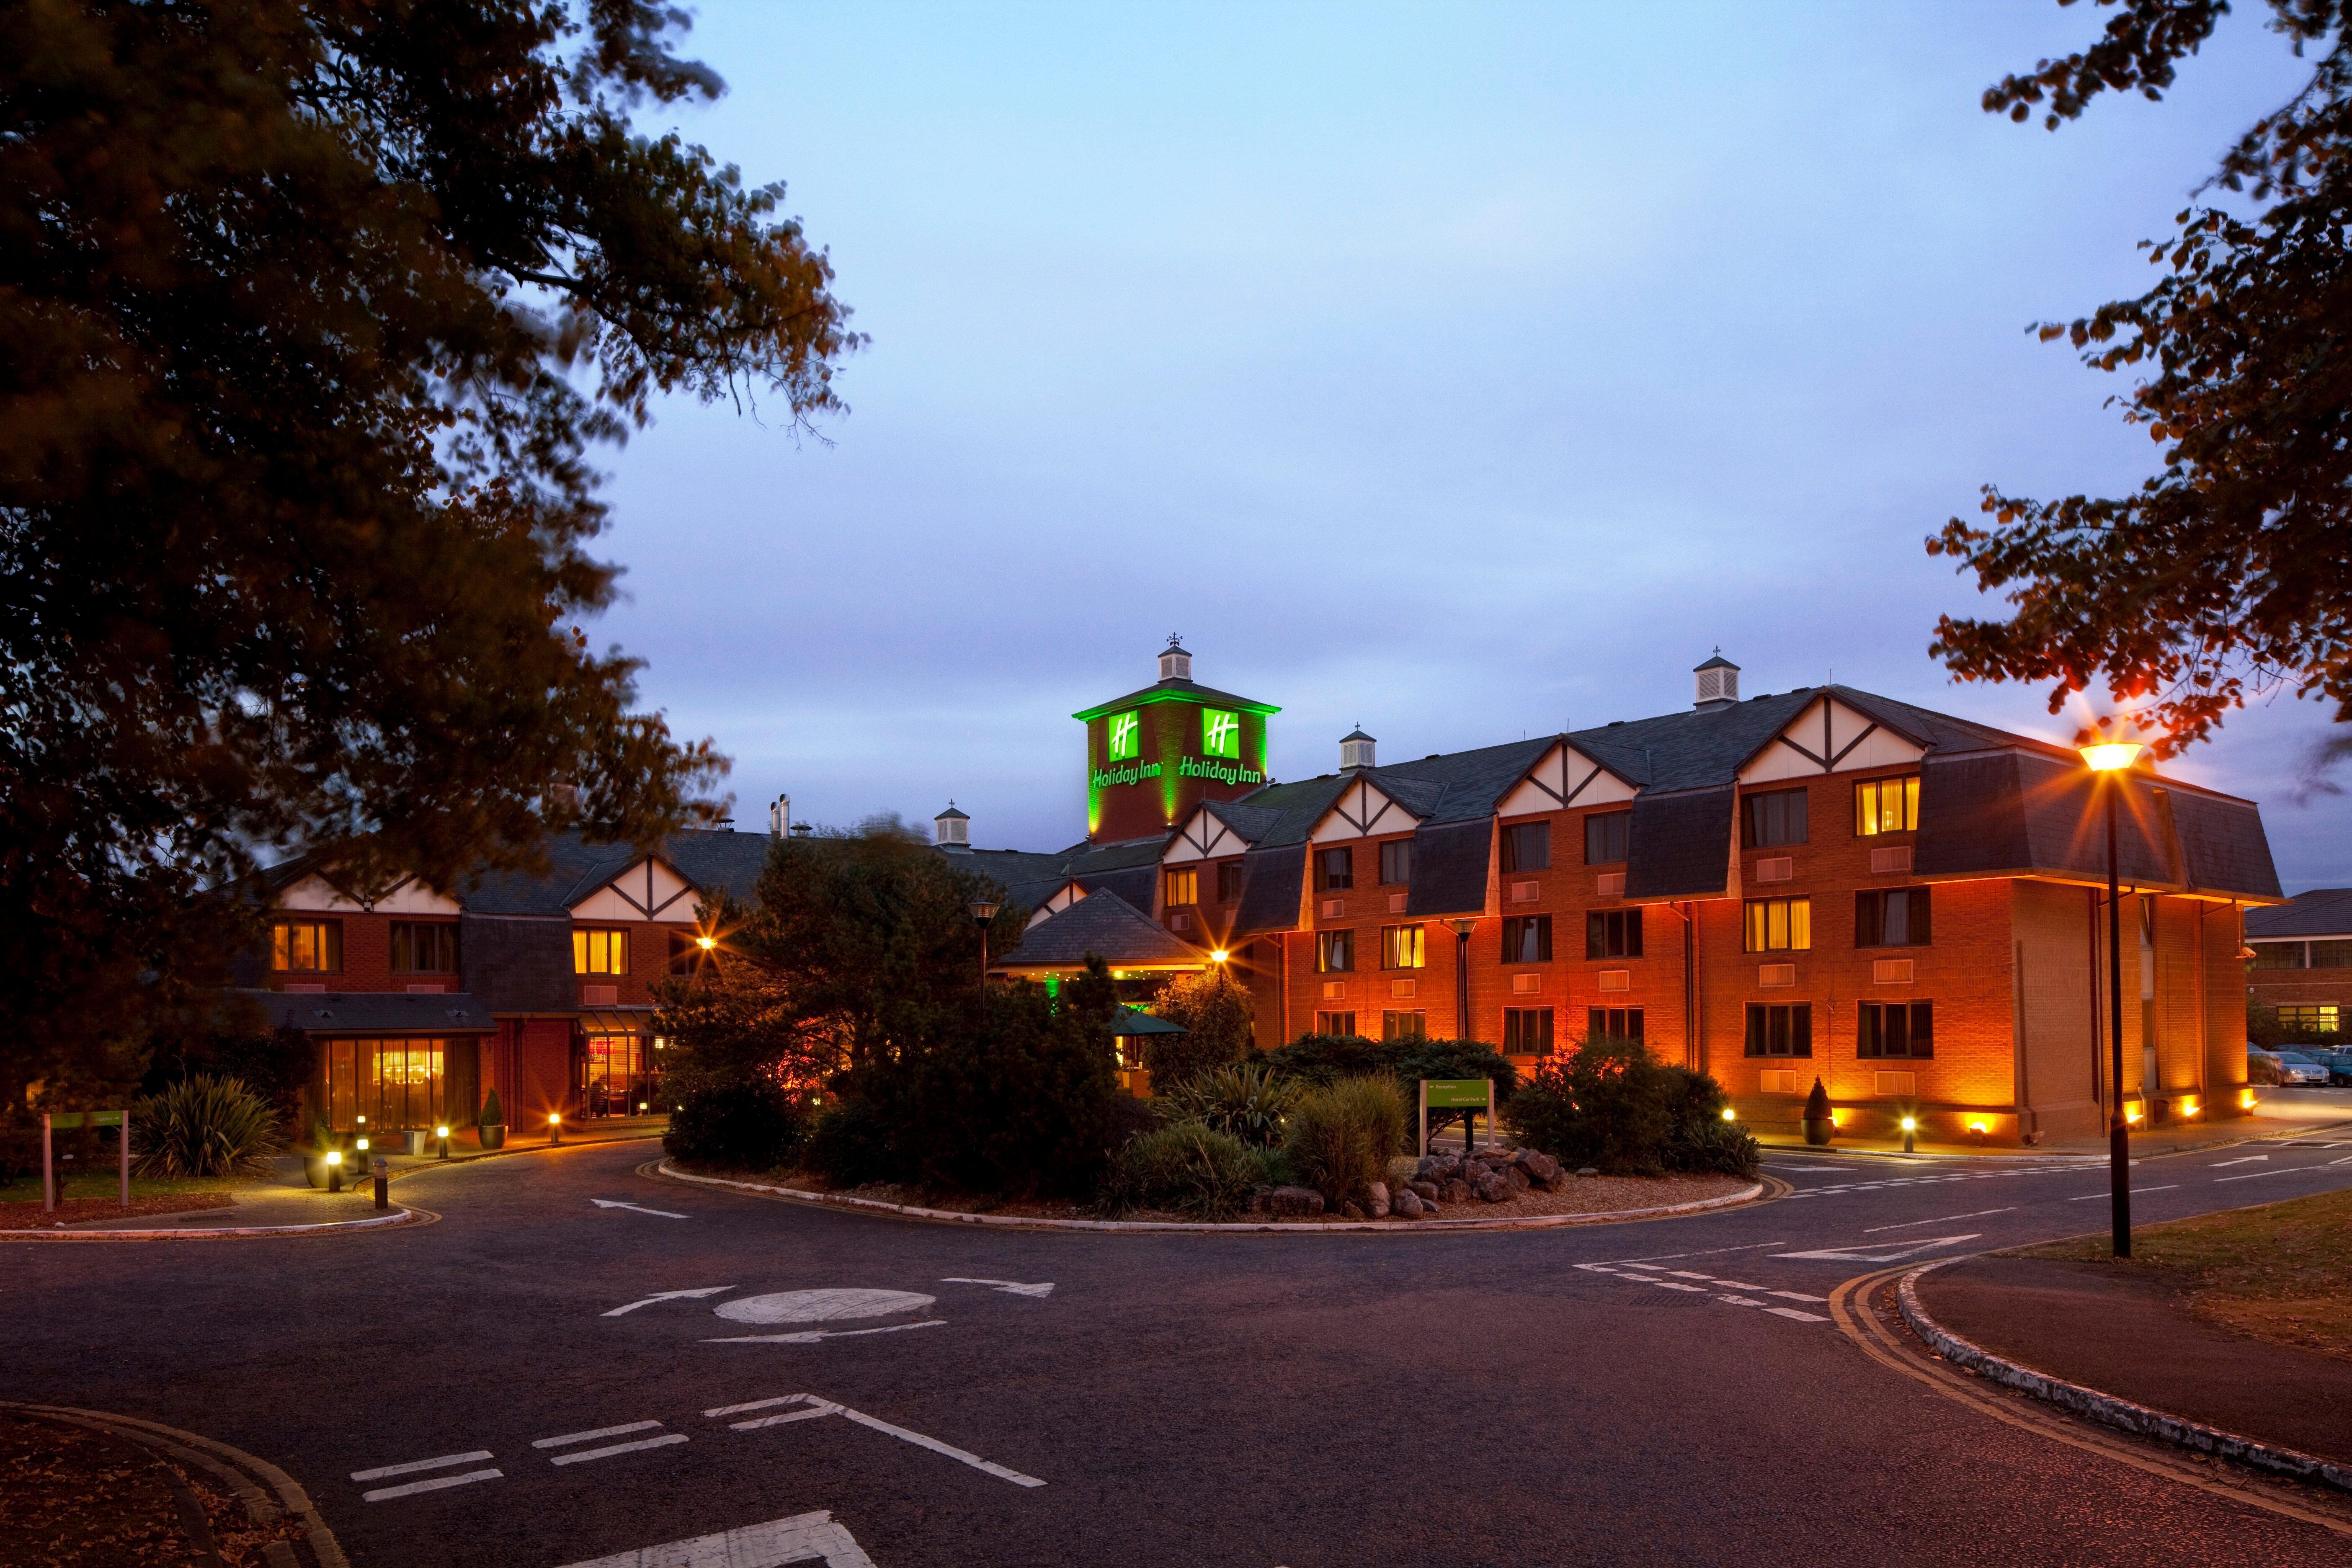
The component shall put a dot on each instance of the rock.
(1539, 1167)
(1559, 1183)
(1260, 1199)
(1295, 1202)
(1516, 1177)
(1407, 1205)
(1377, 1201)
(1425, 1190)
(1349, 1211)
(1495, 1189)
(1587, 1170)
(1437, 1167)
(1458, 1191)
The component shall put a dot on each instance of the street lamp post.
(983, 912)
(2109, 752)
(1463, 926)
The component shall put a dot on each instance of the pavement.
(2136, 1339)
(580, 1362)
(2292, 1113)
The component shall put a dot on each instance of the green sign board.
(1125, 735)
(1221, 733)
(63, 1119)
(1457, 1093)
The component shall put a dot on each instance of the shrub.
(205, 1126)
(749, 1125)
(1215, 1013)
(1716, 1147)
(1817, 1104)
(849, 1145)
(1339, 1139)
(493, 1113)
(1187, 1167)
(1248, 1101)
(1328, 1058)
(1605, 1104)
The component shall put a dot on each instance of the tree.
(2225, 575)
(310, 314)
(1215, 1013)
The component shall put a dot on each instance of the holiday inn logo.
(1221, 733)
(1126, 737)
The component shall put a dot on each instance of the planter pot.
(494, 1136)
(1819, 1133)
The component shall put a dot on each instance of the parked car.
(2336, 1060)
(2294, 1066)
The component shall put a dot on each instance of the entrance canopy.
(1102, 924)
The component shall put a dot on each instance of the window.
(2276, 955)
(1775, 818)
(1895, 1029)
(1894, 918)
(1526, 1031)
(595, 952)
(1612, 933)
(307, 947)
(1613, 1023)
(1780, 1029)
(1608, 836)
(1340, 1023)
(1401, 948)
(1404, 1025)
(421, 949)
(1229, 882)
(2311, 1018)
(1335, 952)
(1886, 805)
(1526, 938)
(1780, 925)
(1527, 847)
(2331, 955)
(1182, 888)
(1396, 863)
(1335, 870)
(396, 1084)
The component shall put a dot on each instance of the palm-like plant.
(205, 1126)
(1249, 1102)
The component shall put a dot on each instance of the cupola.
(1175, 664)
(1719, 684)
(951, 829)
(1356, 750)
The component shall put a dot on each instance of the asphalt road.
(1513, 1398)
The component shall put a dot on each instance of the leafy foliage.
(1215, 1013)
(1247, 1101)
(753, 1124)
(203, 1126)
(1608, 1103)
(1185, 1167)
(1326, 1059)
(2224, 575)
(493, 1113)
(1340, 1138)
(1817, 1103)
(315, 311)
(850, 1145)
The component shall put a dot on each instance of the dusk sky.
(1463, 372)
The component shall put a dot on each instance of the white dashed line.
(591, 1436)
(586, 1454)
(412, 1466)
(1791, 1312)
(2135, 1192)
(1908, 1223)
(385, 1494)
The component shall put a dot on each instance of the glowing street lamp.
(2108, 749)
(1910, 1132)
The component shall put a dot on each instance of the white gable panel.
(647, 890)
(1565, 777)
(1203, 837)
(414, 898)
(314, 893)
(1062, 898)
(1362, 812)
(1829, 737)
(410, 898)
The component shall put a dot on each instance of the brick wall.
(367, 956)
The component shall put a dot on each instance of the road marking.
(637, 1208)
(803, 1538)
(936, 1446)
(755, 1405)
(1855, 1255)
(410, 1469)
(1740, 1300)
(670, 1296)
(1005, 1287)
(810, 1336)
(1687, 1274)
(2135, 1192)
(585, 1454)
(592, 1437)
(1710, 1252)
(1670, 1285)
(1791, 1312)
(821, 1306)
(1945, 1219)
(2282, 1170)
(2249, 1160)
(1795, 1296)
(2346, 1161)
(1836, 1170)
(438, 1483)
(821, 1407)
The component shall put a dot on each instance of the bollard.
(335, 1170)
(383, 1183)
(554, 1127)
(1910, 1132)
(443, 1133)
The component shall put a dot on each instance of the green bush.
(1187, 1168)
(1248, 1101)
(1215, 1013)
(1608, 1104)
(1716, 1147)
(1339, 1139)
(1328, 1058)
(1817, 1104)
(753, 1125)
(203, 1126)
(493, 1113)
(849, 1145)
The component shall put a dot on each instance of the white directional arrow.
(670, 1296)
(636, 1208)
(804, 1538)
(1881, 1254)
(1006, 1286)
(2249, 1160)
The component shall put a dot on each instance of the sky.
(1462, 372)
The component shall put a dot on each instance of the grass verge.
(2282, 1272)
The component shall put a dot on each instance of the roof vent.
(1718, 683)
(951, 827)
(780, 816)
(1355, 749)
(1175, 664)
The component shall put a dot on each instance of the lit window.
(1401, 948)
(1896, 1029)
(1335, 952)
(1886, 805)
(1780, 925)
(1183, 888)
(600, 951)
(2311, 1018)
(307, 947)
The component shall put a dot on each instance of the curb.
(1190, 1228)
(1962, 1157)
(227, 1232)
(2106, 1409)
(271, 1497)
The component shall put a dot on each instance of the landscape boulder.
(1438, 1167)
(1495, 1189)
(1295, 1202)
(1377, 1201)
(1407, 1204)
(1348, 1210)
(1587, 1170)
(1539, 1167)
(1458, 1191)
(1427, 1191)
(1516, 1177)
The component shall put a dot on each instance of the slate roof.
(710, 858)
(375, 1013)
(2322, 911)
(1104, 924)
(1172, 690)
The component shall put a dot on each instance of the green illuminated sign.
(1126, 737)
(1458, 1093)
(1221, 733)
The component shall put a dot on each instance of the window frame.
(1516, 929)
(1229, 881)
(1754, 807)
(1326, 1022)
(1517, 1022)
(1342, 855)
(1797, 1020)
(1610, 825)
(1417, 1027)
(326, 943)
(1599, 1026)
(583, 946)
(408, 928)
(1341, 942)
(1413, 935)
(1175, 879)
(1868, 821)
(1514, 861)
(1402, 850)
(1871, 1032)
(1612, 933)
(1752, 908)
(1870, 922)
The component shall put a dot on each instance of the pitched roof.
(2322, 911)
(375, 1013)
(1176, 690)
(1102, 924)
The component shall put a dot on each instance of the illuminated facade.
(1153, 755)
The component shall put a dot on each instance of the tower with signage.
(1153, 754)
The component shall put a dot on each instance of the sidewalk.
(465, 1145)
(2137, 1340)
(2284, 1121)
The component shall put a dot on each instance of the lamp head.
(706, 943)
(440, 1132)
(553, 1117)
(985, 909)
(2112, 744)
(1463, 925)
(1910, 1124)
(334, 1156)
(1219, 955)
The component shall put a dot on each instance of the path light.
(2108, 748)
(1910, 1132)
(1729, 1114)
(443, 1134)
(335, 1170)
(554, 1127)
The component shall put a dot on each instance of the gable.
(1055, 902)
(1828, 737)
(1203, 837)
(410, 898)
(1361, 810)
(647, 890)
(1564, 777)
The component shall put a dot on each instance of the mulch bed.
(77, 1498)
(30, 1215)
